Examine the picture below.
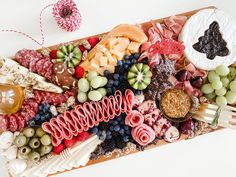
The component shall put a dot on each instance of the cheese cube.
(118, 54)
(123, 43)
(134, 47)
(100, 71)
(101, 48)
(98, 56)
(94, 65)
(110, 68)
(111, 59)
(112, 42)
(103, 61)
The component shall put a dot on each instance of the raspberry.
(53, 54)
(93, 41)
(83, 136)
(58, 149)
(79, 72)
(82, 48)
(70, 142)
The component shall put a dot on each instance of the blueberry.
(106, 73)
(122, 131)
(109, 91)
(127, 132)
(115, 122)
(120, 63)
(138, 92)
(95, 130)
(126, 139)
(136, 55)
(111, 128)
(47, 116)
(110, 82)
(126, 127)
(43, 118)
(114, 89)
(119, 118)
(99, 133)
(116, 76)
(31, 123)
(102, 137)
(116, 83)
(126, 66)
(126, 57)
(133, 61)
(108, 133)
(109, 137)
(37, 117)
(41, 107)
(117, 128)
(127, 62)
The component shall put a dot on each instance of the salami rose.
(143, 134)
(134, 119)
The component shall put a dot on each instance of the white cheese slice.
(17, 74)
(195, 28)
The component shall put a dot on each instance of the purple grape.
(182, 75)
(197, 82)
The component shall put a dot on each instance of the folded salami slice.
(88, 115)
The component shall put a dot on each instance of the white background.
(209, 155)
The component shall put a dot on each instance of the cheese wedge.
(19, 75)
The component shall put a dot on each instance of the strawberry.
(82, 48)
(79, 72)
(70, 142)
(58, 149)
(93, 41)
(83, 136)
(53, 54)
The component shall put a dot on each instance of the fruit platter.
(109, 95)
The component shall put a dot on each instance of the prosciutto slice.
(88, 115)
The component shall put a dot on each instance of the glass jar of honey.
(11, 98)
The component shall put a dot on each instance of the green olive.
(24, 150)
(29, 132)
(34, 156)
(45, 150)
(46, 140)
(34, 143)
(20, 141)
(40, 132)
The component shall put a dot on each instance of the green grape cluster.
(91, 87)
(221, 85)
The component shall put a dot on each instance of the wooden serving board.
(145, 26)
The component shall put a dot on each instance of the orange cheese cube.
(134, 47)
(103, 61)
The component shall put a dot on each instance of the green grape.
(220, 101)
(225, 81)
(104, 81)
(94, 95)
(96, 82)
(46, 140)
(221, 92)
(103, 91)
(211, 96)
(232, 86)
(34, 143)
(83, 85)
(216, 85)
(34, 156)
(231, 97)
(91, 75)
(20, 140)
(232, 71)
(82, 97)
(222, 70)
(212, 76)
(207, 88)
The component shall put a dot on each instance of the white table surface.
(209, 155)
